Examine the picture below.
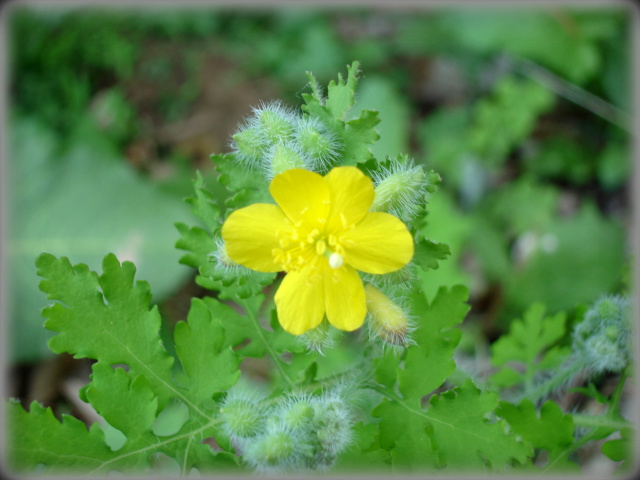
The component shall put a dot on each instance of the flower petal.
(302, 195)
(344, 298)
(300, 301)
(380, 243)
(249, 235)
(351, 193)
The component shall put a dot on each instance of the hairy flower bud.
(401, 189)
(322, 337)
(275, 122)
(318, 143)
(333, 428)
(249, 147)
(271, 449)
(244, 417)
(269, 125)
(602, 341)
(279, 449)
(284, 157)
(387, 320)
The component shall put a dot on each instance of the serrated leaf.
(403, 434)
(198, 242)
(463, 438)
(529, 337)
(427, 253)
(37, 437)
(340, 96)
(124, 400)
(453, 431)
(550, 430)
(377, 92)
(528, 342)
(200, 344)
(106, 318)
(203, 206)
(358, 135)
(430, 361)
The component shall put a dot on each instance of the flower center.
(299, 247)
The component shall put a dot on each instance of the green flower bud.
(272, 449)
(250, 147)
(244, 417)
(318, 143)
(333, 426)
(401, 189)
(270, 124)
(602, 341)
(299, 415)
(387, 320)
(275, 122)
(284, 157)
(225, 269)
(324, 336)
(279, 449)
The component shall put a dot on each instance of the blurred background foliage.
(525, 113)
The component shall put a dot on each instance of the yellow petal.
(300, 301)
(351, 193)
(380, 243)
(344, 298)
(302, 195)
(249, 235)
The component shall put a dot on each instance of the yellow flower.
(320, 232)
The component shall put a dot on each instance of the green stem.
(614, 409)
(584, 420)
(554, 382)
(572, 448)
(272, 353)
(610, 421)
(158, 445)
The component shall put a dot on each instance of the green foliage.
(438, 436)
(108, 318)
(60, 204)
(529, 344)
(500, 122)
(357, 404)
(356, 134)
(585, 248)
(549, 430)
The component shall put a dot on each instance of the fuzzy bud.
(387, 320)
(298, 415)
(322, 337)
(602, 341)
(279, 449)
(333, 426)
(400, 189)
(275, 122)
(284, 157)
(272, 449)
(250, 147)
(318, 143)
(225, 269)
(243, 418)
